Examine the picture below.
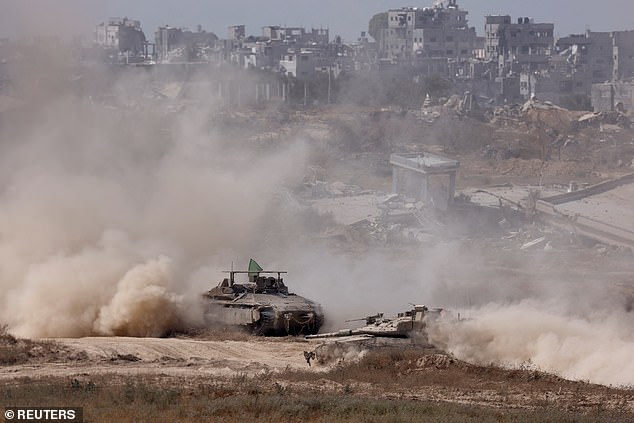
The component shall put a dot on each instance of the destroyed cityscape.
(431, 222)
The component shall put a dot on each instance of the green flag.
(254, 269)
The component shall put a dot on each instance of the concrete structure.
(516, 47)
(426, 177)
(553, 86)
(590, 53)
(623, 50)
(432, 32)
(604, 56)
(182, 45)
(364, 54)
(613, 96)
(297, 35)
(236, 32)
(300, 64)
(122, 35)
(305, 63)
(603, 212)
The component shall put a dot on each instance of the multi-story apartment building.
(236, 32)
(429, 33)
(293, 51)
(181, 45)
(623, 51)
(590, 53)
(297, 35)
(516, 47)
(122, 35)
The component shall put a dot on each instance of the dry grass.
(15, 351)
(386, 385)
(247, 399)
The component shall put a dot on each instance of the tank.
(405, 325)
(405, 330)
(263, 305)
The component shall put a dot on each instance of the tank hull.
(267, 314)
(264, 304)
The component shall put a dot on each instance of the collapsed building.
(124, 38)
(181, 45)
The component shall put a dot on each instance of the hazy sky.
(345, 17)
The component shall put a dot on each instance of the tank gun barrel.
(367, 319)
(339, 334)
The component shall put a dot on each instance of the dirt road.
(169, 356)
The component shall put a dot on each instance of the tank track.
(266, 324)
(269, 325)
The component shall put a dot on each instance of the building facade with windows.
(415, 34)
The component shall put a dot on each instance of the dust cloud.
(515, 317)
(113, 219)
(596, 347)
(116, 215)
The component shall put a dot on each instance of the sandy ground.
(192, 361)
(170, 356)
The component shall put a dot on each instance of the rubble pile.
(597, 119)
(373, 217)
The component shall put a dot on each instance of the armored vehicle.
(406, 330)
(263, 304)
(405, 325)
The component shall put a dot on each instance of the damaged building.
(521, 46)
(426, 177)
(124, 38)
(589, 54)
(181, 45)
(612, 96)
(515, 61)
(516, 48)
(428, 37)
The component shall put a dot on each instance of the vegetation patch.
(111, 398)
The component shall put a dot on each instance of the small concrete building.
(427, 177)
(612, 96)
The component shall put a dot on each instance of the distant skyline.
(343, 17)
